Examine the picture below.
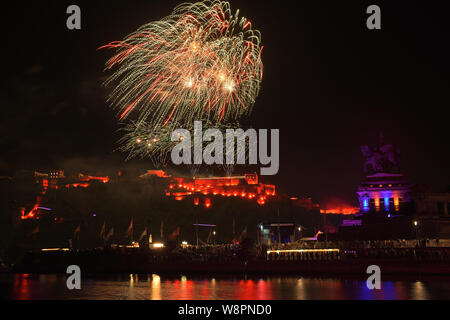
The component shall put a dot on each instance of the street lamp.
(214, 234)
(416, 226)
(299, 230)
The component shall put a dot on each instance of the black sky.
(330, 85)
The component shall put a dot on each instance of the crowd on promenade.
(425, 249)
(386, 249)
(220, 252)
(363, 244)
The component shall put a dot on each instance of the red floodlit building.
(53, 180)
(341, 210)
(246, 187)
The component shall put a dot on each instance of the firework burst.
(200, 62)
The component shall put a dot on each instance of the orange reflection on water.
(419, 291)
(156, 287)
(26, 286)
(21, 288)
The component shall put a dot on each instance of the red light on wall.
(196, 201)
(345, 210)
(207, 203)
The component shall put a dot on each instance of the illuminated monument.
(392, 208)
(385, 190)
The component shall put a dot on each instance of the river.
(157, 287)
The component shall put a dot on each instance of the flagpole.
(234, 231)
(196, 228)
(279, 233)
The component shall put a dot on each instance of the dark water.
(152, 286)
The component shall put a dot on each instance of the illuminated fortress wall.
(246, 187)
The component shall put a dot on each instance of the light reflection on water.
(158, 287)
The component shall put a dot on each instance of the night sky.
(330, 85)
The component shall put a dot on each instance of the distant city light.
(44, 208)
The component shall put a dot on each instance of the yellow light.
(188, 83)
(221, 76)
(415, 223)
(138, 140)
(229, 86)
(194, 46)
(155, 280)
(134, 244)
(158, 245)
(396, 201)
(184, 244)
(377, 202)
(56, 249)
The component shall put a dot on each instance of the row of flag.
(129, 233)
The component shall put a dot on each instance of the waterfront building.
(278, 232)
